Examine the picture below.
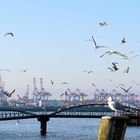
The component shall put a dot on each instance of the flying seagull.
(96, 46)
(51, 82)
(61, 94)
(88, 71)
(63, 83)
(123, 41)
(9, 33)
(116, 106)
(23, 70)
(114, 67)
(17, 122)
(126, 90)
(126, 70)
(93, 85)
(114, 52)
(8, 94)
(103, 24)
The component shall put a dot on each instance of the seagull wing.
(100, 47)
(12, 92)
(114, 67)
(9, 34)
(90, 72)
(110, 69)
(129, 89)
(119, 106)
(94, 41)
(123, 55)
(5, 93)
(126, 70)
(19, 97)
(123, 89)
(64, 83)
(103, 54)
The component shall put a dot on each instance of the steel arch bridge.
(80, 111)
(92, 111)
(83, 111)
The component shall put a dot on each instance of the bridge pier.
(43, 124)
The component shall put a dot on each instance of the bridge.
(80, 111)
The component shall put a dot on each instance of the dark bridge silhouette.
(80, 111)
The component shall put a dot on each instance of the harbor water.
(58, 129)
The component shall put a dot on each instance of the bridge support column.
(43, 124)
(112, 128)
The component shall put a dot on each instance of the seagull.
(93, 84)
(9, 33)
(126, 70)
(123, 41)
(23, 70)
(96, 46)
(8, 94)
(61, 94)
(64, 83)
(112, 70)
(51, 82)
(114, 67)
(114, 52)
(116, 106)
(126, 90)
(17, 122)
(102, 24)
(88, 71)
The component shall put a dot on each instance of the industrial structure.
(41, 97)
(3, 98)
(77, 95)
(39, 94)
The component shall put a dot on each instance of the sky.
(51, 42)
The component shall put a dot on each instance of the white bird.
(96, 46)
(116, 106)
(63, 83)
(17, 122)
(114, 52)
(126, 70)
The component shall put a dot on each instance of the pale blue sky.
(50, 43)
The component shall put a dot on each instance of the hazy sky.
(50, 42)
